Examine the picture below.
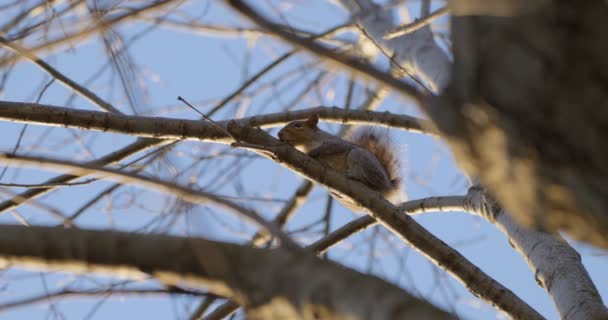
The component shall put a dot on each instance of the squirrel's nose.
(282, 136)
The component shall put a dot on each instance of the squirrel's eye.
(298, 125)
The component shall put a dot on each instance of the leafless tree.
(111, 190)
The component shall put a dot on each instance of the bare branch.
(411, 27)
(176, 129)
(557, 267)
(226, 269)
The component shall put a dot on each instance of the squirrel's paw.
(314, 153)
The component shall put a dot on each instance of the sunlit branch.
(557, 267)
(211, 264)
(411, 27)
(176, 129)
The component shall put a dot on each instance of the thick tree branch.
(240, 272)
(258, 239)
(557, 267)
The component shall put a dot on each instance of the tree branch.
(240, 272)
(557, 267)
(177, 129)
(69, 83)
(417, 24)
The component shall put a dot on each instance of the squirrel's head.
(299, 132)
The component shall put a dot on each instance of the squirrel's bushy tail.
(379, 144)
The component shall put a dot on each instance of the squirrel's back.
(380, 146)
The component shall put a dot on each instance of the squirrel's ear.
(313, 120)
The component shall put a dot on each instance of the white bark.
(557, 266)
(416, 52)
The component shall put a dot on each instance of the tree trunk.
(526, 110)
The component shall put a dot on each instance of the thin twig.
(184, 193)
(207, 118)
(411, 27)
(91, 293)
(46, 185)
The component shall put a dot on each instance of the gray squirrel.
(367, 157)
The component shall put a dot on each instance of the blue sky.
(204, 68)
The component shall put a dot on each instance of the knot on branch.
(482, 203)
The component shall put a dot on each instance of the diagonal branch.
(411, 27)
(556, 265)
(441, 204)
(390, 216)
